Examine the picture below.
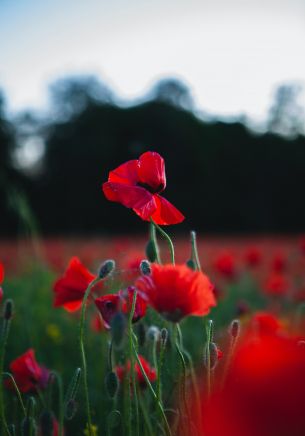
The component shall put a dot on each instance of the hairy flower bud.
(234, 328)
(145, 267)
(153, 333)
(106, 268)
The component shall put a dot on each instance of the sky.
(232, 54)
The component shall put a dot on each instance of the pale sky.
(231, 54)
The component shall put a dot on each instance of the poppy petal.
(134, 197)
(166, 213)
(151, 171)
(127, 173)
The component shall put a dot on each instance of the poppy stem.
(132, 363)
(83, 354)
(8, 374)
(209, 336)
(168, 239)
(153, 238)
(195, 256)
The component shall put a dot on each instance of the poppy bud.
(71, 409)
(73, 388)
(151, 251)
(145, 267)
(8, 310)
(118, 327)
(191, 264)
(112, 384)
(114, 419)
(164, 336)
(234, 328)
(106, 268)
(153, 333)
(46, 423)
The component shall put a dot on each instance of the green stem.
(146, 417)
(132, 363)
(209, 336)
(7, 374)
(159, 405)
(195, 256)
(168, 239)
(4, 337)
(153, 237)
(60, 403)
(83, 355)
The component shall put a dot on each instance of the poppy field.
(162, 334)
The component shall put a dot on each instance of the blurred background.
(217, 88)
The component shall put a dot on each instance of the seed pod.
(151, 251)
(145, 267)
(118, 326)
(8, 309)
(106, 268)
(112, 384)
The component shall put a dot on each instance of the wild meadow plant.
(249, 380)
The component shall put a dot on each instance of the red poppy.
(225, 265)
(121, 371)
(177, 291)
(263, 394)
(109, 305)
(97, 323)
(265, 323)
(28, 374)
(279, 262)
(137, 184)
(276, 284)
(253, 256)
(70, 289)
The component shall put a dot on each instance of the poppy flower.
(253, 256)
(177, 291)
(225, 265)
(263, 394)
(279, 262)
(28, 374)
(70, 289)
(109, 305)
(265, 323)
(276, 284)
(137, 184)
(122, 371)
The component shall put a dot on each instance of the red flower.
(279, 262)
(70, 289)
(97, 324)
(225, 265)
(121, 371)
(137, 183)
(253, 256)
(177, 291)
(265, 323)
(27, 373)
(109, 305)
(264, 392)
(276, 284)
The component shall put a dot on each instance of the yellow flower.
(93, 430)
(54, 333)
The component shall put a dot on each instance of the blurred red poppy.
(224, 264)
(28, 374)
(263, 394)
(279, 262)
(109, 305)
(177, 291)
(122, 371)
(264, 323)
(253, 256)
(137, 184)
(276, 284)
(70, 289)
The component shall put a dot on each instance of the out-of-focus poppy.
(276, 284)
(137, 184)
(279, 262)
(70, 289)
(28, 374)
(122, 371)
(109, 305)
(225, 265)
(253, 256)
(177, 291)
(264, 323)
(263, 394)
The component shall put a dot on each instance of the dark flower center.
(151, 189)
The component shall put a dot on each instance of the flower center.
(151, 189)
